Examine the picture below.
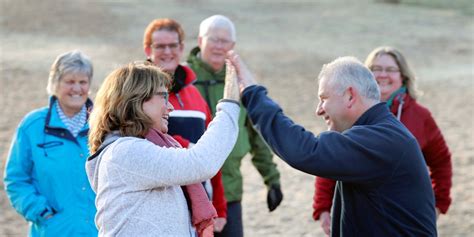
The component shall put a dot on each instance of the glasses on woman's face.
(388, 70)
(165, 95)
(163, 47)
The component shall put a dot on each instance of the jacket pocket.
(50, 144)
(52, 226)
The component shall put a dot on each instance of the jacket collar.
(109, 139)
(55, 127)
(373, 114)
(182, 77)
(194, 58)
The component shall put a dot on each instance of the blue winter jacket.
(383, 187)
(45, 174)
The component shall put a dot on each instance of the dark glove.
(274, 197)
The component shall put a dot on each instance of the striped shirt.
(76, 122)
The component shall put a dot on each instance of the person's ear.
(148, 51)
(181, 48)
(351, 97)
(200, 42)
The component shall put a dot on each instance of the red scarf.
(202, 210)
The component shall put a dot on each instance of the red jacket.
(188, 122)
(421, 124)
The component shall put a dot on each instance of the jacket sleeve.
(438, 159)
(218, 197)
(155, 166)
(19, 187)
(262, 157)
(324, 192)
(325, 155)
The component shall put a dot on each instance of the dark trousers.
(234, 226)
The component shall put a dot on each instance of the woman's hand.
(231, 88)
(244, 76)
(325, 219)
(219, 224)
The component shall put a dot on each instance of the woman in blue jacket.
(45, 176)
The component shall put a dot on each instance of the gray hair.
(348, 71)
(217, 21)
(69, 62)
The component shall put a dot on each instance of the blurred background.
(285, 43)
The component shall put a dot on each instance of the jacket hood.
(93, 162)
(183, 76)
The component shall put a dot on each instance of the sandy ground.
(285, 43)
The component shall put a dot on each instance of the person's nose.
(219, 44)
(383, 73)
(319, 109)
(167, 49)
(169, 107)
(76, 87)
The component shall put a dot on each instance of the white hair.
(217, 21)
(348, 71)
(69, 62)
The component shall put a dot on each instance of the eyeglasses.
(216, 40)
(164, 94)
(388, 70)
(162, 47)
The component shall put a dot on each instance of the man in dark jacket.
(383, 187)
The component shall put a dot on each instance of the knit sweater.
(138, 183)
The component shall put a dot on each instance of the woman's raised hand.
(231, 88)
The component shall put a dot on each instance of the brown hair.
(406, 72)
(162, 24)
(118, 104)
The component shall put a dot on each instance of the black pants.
(234, 226)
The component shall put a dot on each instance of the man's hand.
(244, 76)
(274, 197)
(219, 224)
(325, 219)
